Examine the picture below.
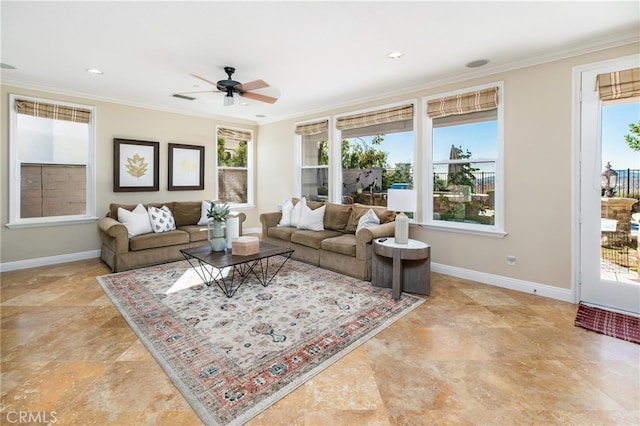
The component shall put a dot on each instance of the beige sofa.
(122, 253)
(337, 247)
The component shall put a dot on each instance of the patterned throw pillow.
(161, 219)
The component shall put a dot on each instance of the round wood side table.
(401, 267)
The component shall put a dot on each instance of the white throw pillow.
(313, 220)
(287, 207)
(296, 212)
(368, 220)
(203, 213)
(136, 221)
(161, 219)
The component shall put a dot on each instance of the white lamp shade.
(402, 200)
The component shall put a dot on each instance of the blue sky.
(615, 124)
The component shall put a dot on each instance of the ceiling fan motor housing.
(228, 85)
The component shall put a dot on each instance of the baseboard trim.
(505, 282)
(50, 260)
(246, 231)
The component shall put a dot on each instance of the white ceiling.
(314, 55)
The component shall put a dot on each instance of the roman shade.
(465, 103)
(55, 112)
(619, 84)
(230, 135)
(312, 128)
(387, 115)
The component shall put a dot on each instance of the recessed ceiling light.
(477, 63)
(260, 115)
(94, 71)
(6, 66)
(395, 55)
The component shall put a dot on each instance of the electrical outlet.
(511, 260)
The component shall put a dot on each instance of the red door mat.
(614, 324)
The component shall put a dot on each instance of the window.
(464, 137)
(52, 159)
(314, 165)
(234, 172)
(377, 151)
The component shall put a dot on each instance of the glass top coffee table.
(229, 271)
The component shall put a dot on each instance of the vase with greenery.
(217, 215)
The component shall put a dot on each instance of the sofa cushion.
(196, 232)
(336, 216)
(342, 244)
(186, 212)
(368, 220)
(136, 221)
(153, 240)
(281, 232)
(359, 210)
(161, 219)
(312, 239)
(285, 219)
(313, 220)
(296, 212)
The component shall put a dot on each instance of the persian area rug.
(231, 358)
(612, 324)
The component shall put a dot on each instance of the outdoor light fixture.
(609, 180)
(402, 200)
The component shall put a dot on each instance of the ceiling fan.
(230, 86)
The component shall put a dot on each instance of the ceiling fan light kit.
(230, 86)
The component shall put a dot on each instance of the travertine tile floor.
(471, 354)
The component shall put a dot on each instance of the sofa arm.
(241, 218)
(114, 234)
(269, 220)
(366, 235)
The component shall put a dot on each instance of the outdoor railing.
(485, 181)
(628, 183)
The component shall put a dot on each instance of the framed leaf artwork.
(135, 165)
(186, 167)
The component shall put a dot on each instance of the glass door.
(609, 194)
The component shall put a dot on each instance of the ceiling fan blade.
(204, 79)
(259, 97)
(252, 85)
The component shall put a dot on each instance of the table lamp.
(401, 200)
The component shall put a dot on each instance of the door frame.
(576, 166)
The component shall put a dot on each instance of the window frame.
(336, 161)
(298, 152)
(15, 221)
(495, 230)
(250, 167)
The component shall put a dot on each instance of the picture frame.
(136, 165)
(186, 167)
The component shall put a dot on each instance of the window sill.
(46, 222)
(490, 232)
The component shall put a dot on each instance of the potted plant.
(217, 214)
